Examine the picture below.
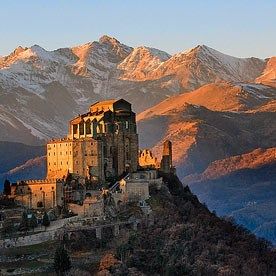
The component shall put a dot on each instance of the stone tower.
(166, 162)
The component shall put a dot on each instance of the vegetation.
(27, 222)
(45, 220)
(7, 187)
(187, 239)
(62, 261)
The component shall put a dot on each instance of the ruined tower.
(166, 162)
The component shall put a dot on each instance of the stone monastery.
(101, 148)
(100, 144)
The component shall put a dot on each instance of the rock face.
(41, 90)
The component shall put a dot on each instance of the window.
(127, 124)
(49, 153)
(88, 127)
(54, 153)
(61, 163)
(60, 153)
(81, 127)
(49, 163)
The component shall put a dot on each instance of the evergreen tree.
(45, 220)
(62, 261)
(24, 222)
(33, 222)
(7, 187)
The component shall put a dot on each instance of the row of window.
(102, 128)
(49, 146)
(56, 163)
(66, 153)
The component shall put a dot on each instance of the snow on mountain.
(141, 62)
(41, 90)
(202, 65)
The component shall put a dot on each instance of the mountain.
(202, 64)
(34, 168)
(14, 154)
(224, 143)
(243, 187)
(201, 135)
(187, 239)
(41, 90)
(268, 76)
(219, 96)
(15, 161)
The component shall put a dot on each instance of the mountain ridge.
(47, 88)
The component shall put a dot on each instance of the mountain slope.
(213, 122)
(186, 239)
(15, 154)
(243, 187)
(34, 168)
(202, 64)
(220, 96)
(268, 76)
(41, 90)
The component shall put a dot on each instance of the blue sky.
(241, 28)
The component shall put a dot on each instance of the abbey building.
(101, 143)
(101, 148)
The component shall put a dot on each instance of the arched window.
(88, 127)
(81, 126)
(94, 127)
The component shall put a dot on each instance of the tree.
(7, 187)
(33, 222)
(45, 220)
(24, 222)
(62, 261)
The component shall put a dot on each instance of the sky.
(240, 28)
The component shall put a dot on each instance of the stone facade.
(166, 162)
(147, 160)
(100, 144)
(47, 193)
(92, 206)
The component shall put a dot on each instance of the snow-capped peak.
(141, 61)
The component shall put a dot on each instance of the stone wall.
(47, 193)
